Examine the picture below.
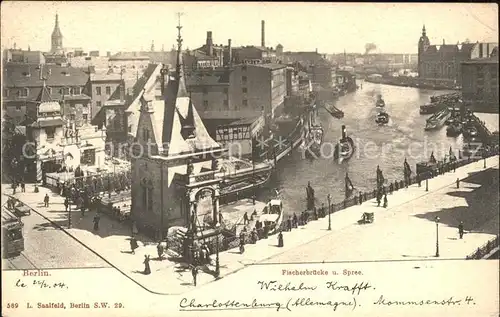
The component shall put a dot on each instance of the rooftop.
(272, 66)
(30, 75)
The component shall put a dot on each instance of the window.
(145, 133)
(244, 79)
(24, 92)
(76, 90)
(98, 104)
(49, 89)
(244, 67)
(205, 104)
(245, 90)
(98, 91)
(85, 118)
(88, 157)
(72, 117)
(73, 106)
(130, 128)
(6, 93)
(147, 197)
(65, 91)
(50, 132)
(108, 90)
(245, 102)
(18, 107)
(226, 90)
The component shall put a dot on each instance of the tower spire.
(181, 92)
(423, 30)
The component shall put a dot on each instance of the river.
(386, 146)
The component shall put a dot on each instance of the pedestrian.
(289, 223)
(242, 244)
(385, 201)
(315, 212)
(245, 218)
(323, 210)
(360, 198)
(378, 200)
(461, 229)
(66, 204)
(160, 250)
(295, 220)
(255, 236)
(97, 218)
(147, 268)
(14, 186)
(458, 182)
(280, 240)
(23, 187)
(194, 272)
(419, 181)
(133, 244)
(134, 229)
(46, 200)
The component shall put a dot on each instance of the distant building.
(129, 61)
(480, 83)
(22, 84)
(443, 62)
(56, 54)
(22, 56)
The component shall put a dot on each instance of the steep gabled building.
(173, 166)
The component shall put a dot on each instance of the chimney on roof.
(230, 53)
(263, 33)
(210, 44)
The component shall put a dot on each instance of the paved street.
(46, 246)
(408, 210)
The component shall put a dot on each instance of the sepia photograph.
(220, 158)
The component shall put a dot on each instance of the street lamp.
(69, 214)
(329, 213)
(217, 265)
(437, 237)
(426, 184)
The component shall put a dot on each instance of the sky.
(328, 27)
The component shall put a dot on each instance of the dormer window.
(49, 89)
(24, 92)
(26, 74)
(65, 73)
(188, 132)
(76, 90)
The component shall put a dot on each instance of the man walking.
(194, 272)
(66, 204)
(461, 229)
(458, 182)
(46, 200)
(385, 201)
(23, 187)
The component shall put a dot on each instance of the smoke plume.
(370, 47)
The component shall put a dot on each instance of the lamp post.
(69, 214)
(329, 213)
(437, 237)
(217, 265)
(426, 184)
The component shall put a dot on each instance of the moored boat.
(454, 129)
(272, 215)
(437, 120)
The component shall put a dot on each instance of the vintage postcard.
(223, 158)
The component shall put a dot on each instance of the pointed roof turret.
(423, 31)
(57, 31)
(44, 95)
(182, 91)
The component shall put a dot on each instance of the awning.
(43, 123)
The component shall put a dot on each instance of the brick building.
(480, 83)
(22, 84)
(442, 62)
(172, 183)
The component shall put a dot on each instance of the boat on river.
(345, 148)
(437, 120)
(382, 118)
(380, 103)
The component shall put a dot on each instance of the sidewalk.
(112, 244)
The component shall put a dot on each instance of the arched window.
(147, 194)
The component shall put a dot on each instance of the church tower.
(423, 44)
(56, 43)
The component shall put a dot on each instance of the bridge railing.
(481, 252)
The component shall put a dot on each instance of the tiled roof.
(230, 114)
(44, 95)
(271, 66)
(141, 82)
(16, 75)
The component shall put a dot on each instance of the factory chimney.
(263, 34)
(229, 53)
(210, 44)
